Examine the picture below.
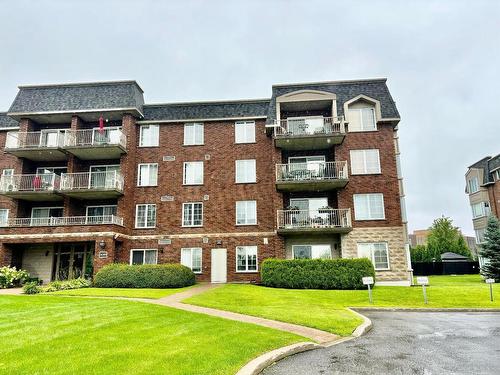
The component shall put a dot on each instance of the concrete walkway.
(11, 292)
(174, 301)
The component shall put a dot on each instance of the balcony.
(31, 187)
(309, 133)
(63, 221)
(45, 145)
(314, 176)
(92, 185)
(96, 144)
(293, 222)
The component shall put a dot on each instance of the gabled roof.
(233, 109)
(488, 164)
(32, 100)
(344, 90)
(7, 122)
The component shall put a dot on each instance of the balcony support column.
(76, 124)
(127, 167)
(5, 255)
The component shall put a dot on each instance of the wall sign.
(164, 241)
(169, 158)
(167, 198)
(103, 254)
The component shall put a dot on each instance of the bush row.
(10, 276)
(316, 273)
(144, 276)
(54, 286)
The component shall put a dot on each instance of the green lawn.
(119, 292)
(325, 309)
(64, 335)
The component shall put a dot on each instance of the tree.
(444, 237)
(490, 249)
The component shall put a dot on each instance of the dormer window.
(362, 119)
(472, 185)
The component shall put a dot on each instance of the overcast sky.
(442, 61)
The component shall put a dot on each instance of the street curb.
(364, 327)
(425, 309)
(256, 365)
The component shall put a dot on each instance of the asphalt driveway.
(409, 343)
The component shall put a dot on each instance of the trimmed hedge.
(337, 273)
(144, 276)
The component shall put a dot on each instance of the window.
(145, 215)
(480, 209)
(377, 252)
(369, 206)
(100, 214)
(193, 134)
(192, 214)
(191, 257)
(496, 175)
(246, 213)
(8, 172)
(48, 170)
(104, 176)
(147, 174)
(362, 119)
(311, 251)
(4, 217)
(143, 256)
(149, 135)
(246, 258)
(193, 173)
(245, 171)
(44, 215)
(365, 161)
(479, 235)
(472, 185)
(244, 132)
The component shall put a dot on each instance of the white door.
(219, 265)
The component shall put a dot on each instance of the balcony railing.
(95, 137)
(29, 140)
(311, 219)
(111, 180)
(29, 183)
(309, 126)
(313, 171)
(62, 221)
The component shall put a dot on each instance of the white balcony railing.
(29, 182)
(95, 137)
(111, 180)
(40, 139)
(321, 218)
(62, 221)
(306, 126)
(313, 171)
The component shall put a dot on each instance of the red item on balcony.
(37, 182)
(101, 125)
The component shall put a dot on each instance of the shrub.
(10, 276)
(316, 273)
(144, 276)
(54, 286)
(32, 288)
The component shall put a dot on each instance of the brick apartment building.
(483, 188)
(93, 175)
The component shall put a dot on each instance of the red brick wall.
(494, 196)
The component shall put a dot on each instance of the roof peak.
(83, 84)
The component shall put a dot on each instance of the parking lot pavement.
(409, 343)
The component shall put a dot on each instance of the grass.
(65, 335)
(119, 292)
(325, 309)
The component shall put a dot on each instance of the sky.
(441, 59)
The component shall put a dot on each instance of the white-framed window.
(4, 217)
(473, 185)
(369, 206)
(480, 209)
(143, 256)
(47, 170)
(246, 171)
(193, 134)
(246, 212)
(377, 252)
(147, 174)
(365, 161)
(192, 214)
(191, 257)
(246, 259)
(244, 132)
(480, 235)
(43, 215)
(145, 216)
(193, 173)
(362, 119)
(8, 172)
(320, 251)
(149, 135)
(496, 175)
(99, 214)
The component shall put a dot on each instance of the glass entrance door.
(72, 261)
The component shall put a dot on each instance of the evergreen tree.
(490, 249)
(445, 237)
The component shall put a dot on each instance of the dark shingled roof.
(345, 90)
(488, 165)
(6, 121)
(206, 110)
(78, 97)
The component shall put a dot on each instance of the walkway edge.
(257, 365)
(363, 327)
